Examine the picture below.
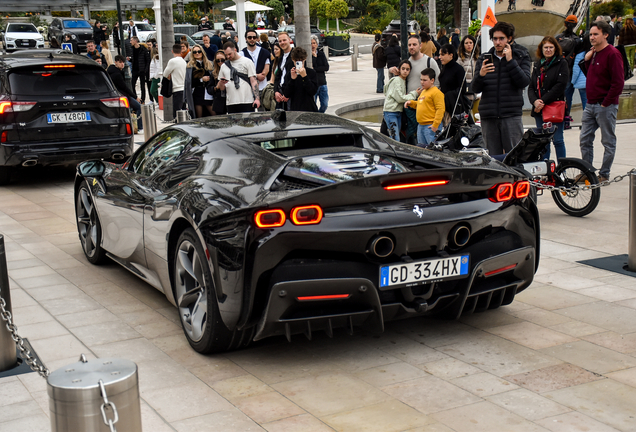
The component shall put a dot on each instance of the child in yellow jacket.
(430, 108)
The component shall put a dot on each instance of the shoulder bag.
(554, 112)
(166, 87)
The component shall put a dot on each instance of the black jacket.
(301, 91)
(555, 80)
(393, 55)
(502, 90)
(120, 83)
(216, 40)
(451, 78)
(142, 59)
(289, 64)
(321, 65)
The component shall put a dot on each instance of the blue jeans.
(594, 117)
(393, 123)
(324, 98)
(136, 107)
(569, 92)
(426, 135)
(380, 85)
(557, 139)
(583, 94)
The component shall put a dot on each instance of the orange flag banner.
(489, 18)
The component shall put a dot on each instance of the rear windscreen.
(313, 142)
(71, 80)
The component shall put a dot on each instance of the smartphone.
(299, 65)
(488, 57)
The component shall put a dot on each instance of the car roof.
(43, 57)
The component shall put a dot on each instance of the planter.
(337, 45)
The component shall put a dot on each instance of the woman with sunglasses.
(218, 102)
(198, 75)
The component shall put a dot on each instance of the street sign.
(67, 47)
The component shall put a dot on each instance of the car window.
(69, 80)
(22, 28)
(77, 24)
(144, 27)
(160, 152)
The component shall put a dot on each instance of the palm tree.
(465, 17)
(303, 30)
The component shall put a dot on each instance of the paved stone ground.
(562, 357)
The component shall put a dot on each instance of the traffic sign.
(67, 47)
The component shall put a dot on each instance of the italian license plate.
(69, 117)
(418, 272)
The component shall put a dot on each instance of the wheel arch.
(178, 226)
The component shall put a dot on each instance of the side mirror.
(93, 168)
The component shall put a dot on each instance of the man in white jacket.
(175, 70)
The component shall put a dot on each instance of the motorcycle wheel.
(576, 201)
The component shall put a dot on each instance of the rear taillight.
(7, 107)
(501, 192)
(129, 129)
(522, 189)
(306, 215)
(120, 102)
(270, 218)
(3, 137)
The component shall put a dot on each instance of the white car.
(143, 30)
(22, 36)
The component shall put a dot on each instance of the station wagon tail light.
(522, 189)
(120, 102)
(7, 107)
(306, 215)
(501, 192)
(270, 218)
(416, 184)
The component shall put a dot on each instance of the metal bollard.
(631, 259)
(354, 58)
(325, 49)
(182, 116)
(149, 121)
(95, 396)
(8, 357)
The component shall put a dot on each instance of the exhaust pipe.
(30, 163)
(118, 156)
(459, 236)
(382, 246)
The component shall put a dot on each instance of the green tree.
(317, 10)
(277, 6)
(617, 7)
(337, 9)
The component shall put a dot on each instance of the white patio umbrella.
(250, 7)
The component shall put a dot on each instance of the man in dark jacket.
(500, 76)
(570, 46)
(321, 65)
(216, 40)
(140, 65)
(379, 62)
(117, 76)
(301, 85)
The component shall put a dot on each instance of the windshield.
(77, 24)
(144, 27)
(22, 28)
(39, 81)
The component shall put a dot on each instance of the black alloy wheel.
(88, 226)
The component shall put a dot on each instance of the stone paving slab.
(561, 357)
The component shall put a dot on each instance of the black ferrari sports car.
(265, 224)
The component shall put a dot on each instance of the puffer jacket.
(393, 55)
(578, 77)
(502, 90)
(552, 88)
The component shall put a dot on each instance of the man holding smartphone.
(238, 78)
(501, 75)
(302, 84)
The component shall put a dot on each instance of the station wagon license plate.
(417, 272)
(70, 117)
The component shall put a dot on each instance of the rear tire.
(196, 300)
(578, 202)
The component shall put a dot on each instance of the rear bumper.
(65, 153)
(290, 311)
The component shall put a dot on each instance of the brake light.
(324, 297)
(306, 215)
(128, 129)
(416, 185)
(61, 66)
(120, 102)
(500, 270)
(522, 189)
(501, 192)
(270, 218)
(7, 107)
(3, 137)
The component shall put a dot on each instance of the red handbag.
(553, 112)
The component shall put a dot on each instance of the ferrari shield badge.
(418, 211)
(95, 182)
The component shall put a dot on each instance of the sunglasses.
(197, 52)
(220, 61)
(251, 37)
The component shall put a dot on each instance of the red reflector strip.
(59, 66)
(501, 270)
(325, 297)
(129, 129)
(416, 185)
(3, 137)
